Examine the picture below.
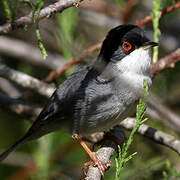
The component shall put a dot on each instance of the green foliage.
(7, 10)
(37, 8)
(24, 1)
(171, 170)
(40, 43)
(170, 2)
(165, 176)
(65, 36)
(42, 156)
(156, 13)
(150, 166)
(67, 23)
(120, 2)
(141, 110)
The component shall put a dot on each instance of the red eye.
(126, 46)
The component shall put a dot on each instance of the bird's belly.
(114, 117)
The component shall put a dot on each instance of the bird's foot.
(95, 162)
(94, 159)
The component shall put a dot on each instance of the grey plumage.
(99, 95)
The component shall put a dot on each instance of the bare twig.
(60, 70)
(154, 134)
(104, 154)
(165, 11)
(20, 107)
(26, 81)
(9, 88)
(27, 52)
(44, 13)
(166, 62)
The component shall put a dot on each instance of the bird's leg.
(101, 166)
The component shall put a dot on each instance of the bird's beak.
(149, 44)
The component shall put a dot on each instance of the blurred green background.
(65, 35)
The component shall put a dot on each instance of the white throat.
(135, 67)
(137, 62)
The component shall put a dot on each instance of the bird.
(99, 95)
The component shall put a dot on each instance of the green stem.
(7, 10)
(156, 13)
(40, 43)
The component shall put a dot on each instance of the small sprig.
(37, 8)
(7, 10)
(40, 43)
(171, 170)
(156, 14)
(141, 110)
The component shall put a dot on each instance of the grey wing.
(59, 110)
(98, 108)
(96, 104)
(61, 107)
(100, 105)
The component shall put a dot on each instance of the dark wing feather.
(59, 110)
(57, 107)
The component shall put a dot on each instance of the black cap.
(112, 46)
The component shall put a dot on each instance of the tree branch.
(165, 11)
(20, 107)
(166, 62)
(26, 81)
(61, 70)
(154, 134)
(27, 52)
(44, 13)
(9, 88)
(104, 154)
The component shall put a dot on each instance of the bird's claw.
(101, 166)
(95, 162)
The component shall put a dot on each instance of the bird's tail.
(12, 148)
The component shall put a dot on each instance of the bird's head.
(127, 47)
